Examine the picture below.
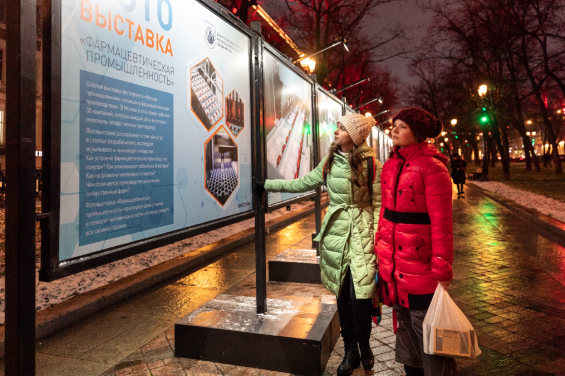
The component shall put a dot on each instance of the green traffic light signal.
(484, 119)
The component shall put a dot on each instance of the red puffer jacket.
(414, 242)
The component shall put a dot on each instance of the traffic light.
(484, 118)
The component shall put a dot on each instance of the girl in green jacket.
(347, 255)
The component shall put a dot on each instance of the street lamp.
(454, 122)
(334, 91)
(337, 42)
(309, 65)
(371, 101)
(482, 92)
(381, 113)
(384, 122)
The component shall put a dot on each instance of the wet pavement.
(509, 281)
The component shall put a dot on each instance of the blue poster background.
(180, 53)
(126, 158)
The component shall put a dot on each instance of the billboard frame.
(51, 267)
(320, 88)
(286, 61)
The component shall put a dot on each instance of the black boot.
(367, 357)
(350, 361)
(413, 371)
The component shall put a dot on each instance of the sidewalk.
(509, 281)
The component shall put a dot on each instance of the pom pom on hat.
(422, 123)
(358, 126)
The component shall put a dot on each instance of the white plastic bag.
(447, 331)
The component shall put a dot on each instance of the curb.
(542, 221)
(68, 312)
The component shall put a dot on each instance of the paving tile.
(506, 281)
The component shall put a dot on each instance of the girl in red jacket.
(414, 242)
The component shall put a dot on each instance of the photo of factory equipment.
(221, 165)
(287, 122)
(234, 113)
(206, 93)
(328, 113)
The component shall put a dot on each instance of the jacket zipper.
(394, 226)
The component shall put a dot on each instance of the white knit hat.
(358, 126)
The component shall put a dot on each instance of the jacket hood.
(366, 150)
(420, 148)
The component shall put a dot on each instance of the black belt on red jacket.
(407, 218)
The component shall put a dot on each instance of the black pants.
(354, 314)
(410, 346)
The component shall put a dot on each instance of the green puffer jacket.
(348, 231)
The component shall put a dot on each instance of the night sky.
(408, 15)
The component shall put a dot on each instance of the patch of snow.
(544, 205)
(51, 293)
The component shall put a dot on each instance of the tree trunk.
(476, 151)
(505, 154)
(502, 146)
(527, 154)
(530, 154)
(535, 158)
(541, 104)
(493, 153)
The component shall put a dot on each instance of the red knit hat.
(422, 123)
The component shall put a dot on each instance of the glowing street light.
(482, 90)
(454, 122)
(336, 42)
(368, 114)
(529, 122)
(387, 131)
(446, 139)
(308, 65)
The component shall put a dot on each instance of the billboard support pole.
(51, 133)
(21, 41)
(258, 172)
(317, 199)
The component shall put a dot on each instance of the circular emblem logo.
(210, 36)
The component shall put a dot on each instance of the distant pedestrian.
(347, 257)
(458, 171)
(547, 160)
(414, 241)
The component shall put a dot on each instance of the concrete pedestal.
(293, 337)
(295, 265)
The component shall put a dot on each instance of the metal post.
(259, 197)
(484, 174)
(317, 198)
(21, 87)
(51, 132)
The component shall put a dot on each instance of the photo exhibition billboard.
(288, 125)
(329, 111)
(155, 124)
